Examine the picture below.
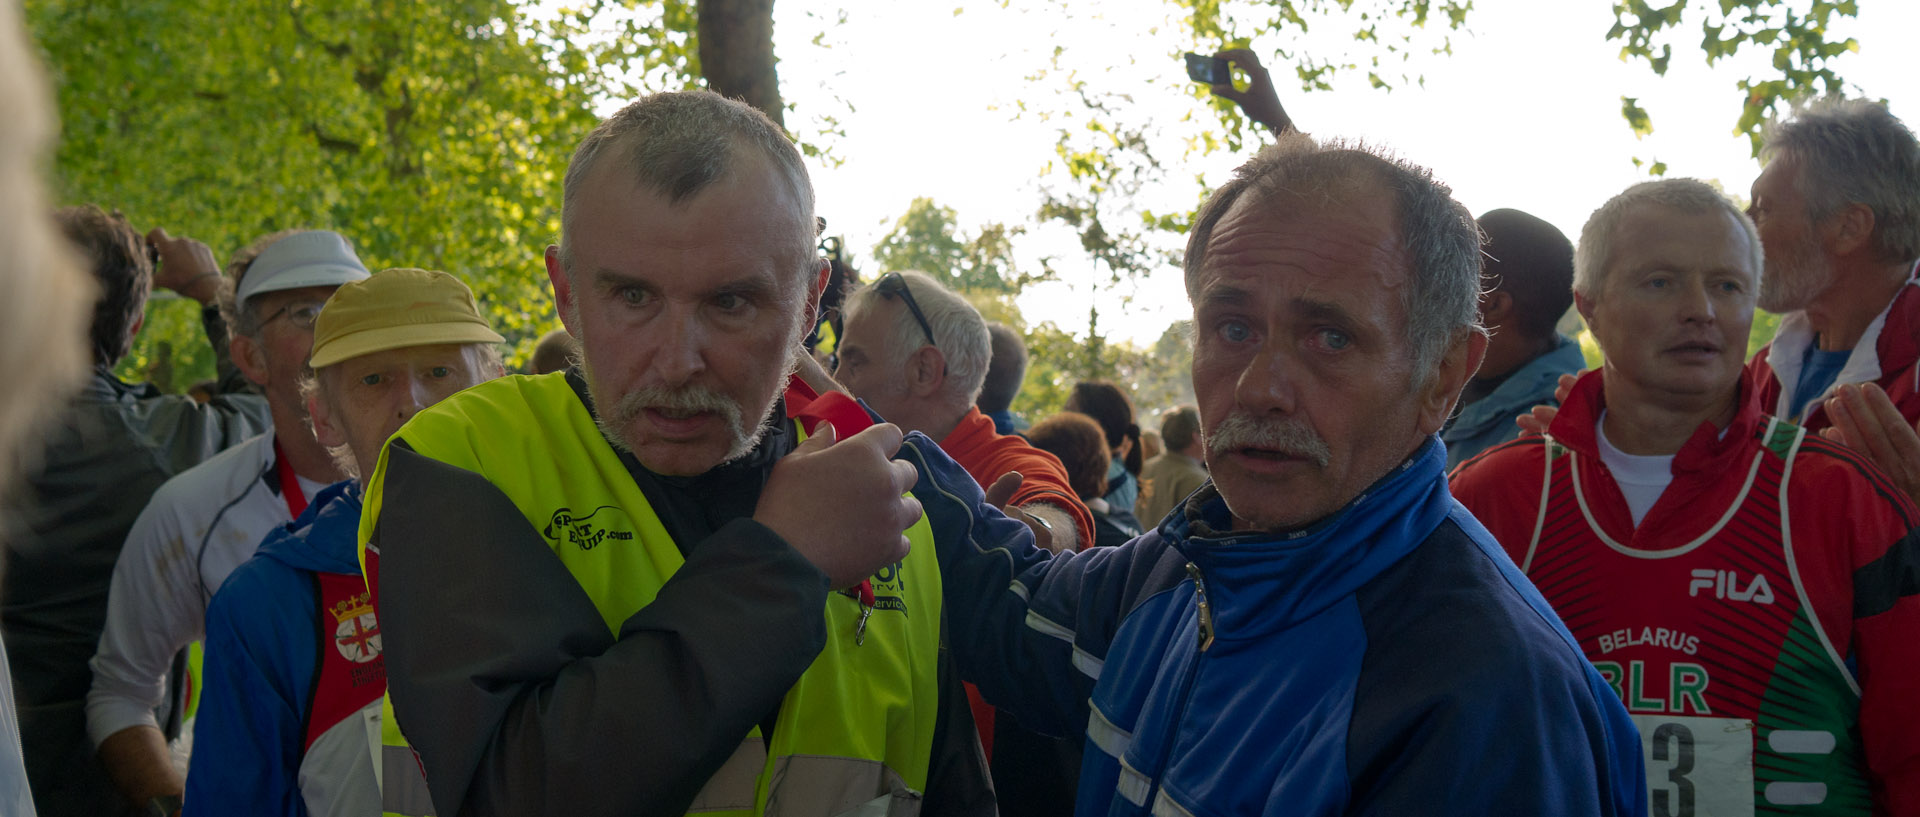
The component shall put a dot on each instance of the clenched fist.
(843, 503)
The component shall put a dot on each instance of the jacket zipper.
(1186, 683)
(1206, 610)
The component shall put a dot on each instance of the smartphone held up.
(1210, 70)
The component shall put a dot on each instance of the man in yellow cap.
(287, 725)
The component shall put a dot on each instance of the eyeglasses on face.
(892, 284)
(301, 314)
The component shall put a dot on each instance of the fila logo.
(1725, 584)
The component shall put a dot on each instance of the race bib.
(1697, 767)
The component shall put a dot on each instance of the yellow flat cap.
(395, 309)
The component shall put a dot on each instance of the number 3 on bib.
(1697, 767)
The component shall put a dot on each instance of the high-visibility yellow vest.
(854, 732)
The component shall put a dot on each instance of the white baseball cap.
(310, 258)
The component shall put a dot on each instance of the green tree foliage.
(1385, 33)
(927, 237)
(1108, 144)
(1156, 379)
(1165, 379)
(1793, 31)
(431, 134)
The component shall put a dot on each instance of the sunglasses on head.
(892, 284)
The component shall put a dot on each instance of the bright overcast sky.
(1524, 114)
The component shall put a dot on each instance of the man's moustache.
(1289, 437)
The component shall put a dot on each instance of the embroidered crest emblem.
(358, 635)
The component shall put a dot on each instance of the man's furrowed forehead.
(738, 223)
(741, 169)
(1283, 234)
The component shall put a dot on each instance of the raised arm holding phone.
(1258, 100)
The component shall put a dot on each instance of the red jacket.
(1767, 605)
(1888, 354)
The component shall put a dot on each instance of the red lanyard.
(289, 484)
(848, 418)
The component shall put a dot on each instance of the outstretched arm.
(1259, 101)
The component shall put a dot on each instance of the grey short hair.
(680, 143)
(1442, 298)
(958, 331)
(1595, 251)
(1855, 151)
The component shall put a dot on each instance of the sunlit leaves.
(1795, 33)
(927, 238)
(432, 134)
(1636, 117)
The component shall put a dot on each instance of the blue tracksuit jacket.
(1388, 660)
(263, 648)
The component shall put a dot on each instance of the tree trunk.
(736, 52)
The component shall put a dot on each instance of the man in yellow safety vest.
(671, 579)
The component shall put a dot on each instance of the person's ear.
(1496, 310)
(562, 289)
(326, 427)
(816, 290)
(823, 275)
(1443, 386)
(926, 371)
(1850, 230)
(1587, 309)
(250, 356)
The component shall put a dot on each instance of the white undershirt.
(309, 487)
(1642, 479)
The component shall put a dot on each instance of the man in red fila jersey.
(1748, 589)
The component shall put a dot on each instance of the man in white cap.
(285, 717)
(204, 522)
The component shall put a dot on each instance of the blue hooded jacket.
(1389, 659)
(262, 648)
(1489, 421)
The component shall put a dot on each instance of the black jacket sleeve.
(520, 702)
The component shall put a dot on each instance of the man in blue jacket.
(1527, 267)
(288, 724)
(1322, 629)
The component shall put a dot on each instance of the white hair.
(1856, 151)
(1591, 257)
(46, 314)
(958, 332)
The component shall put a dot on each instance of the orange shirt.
(988, 455)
